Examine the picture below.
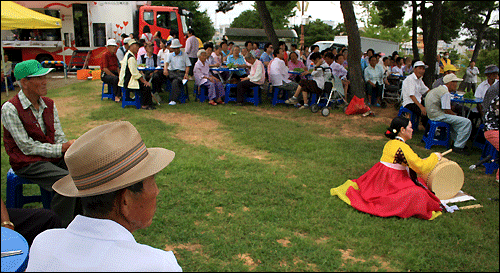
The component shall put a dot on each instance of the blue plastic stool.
(15, 197)
(182, 96)
(110, 94)
(126, 100)
(429, 136)
(227, 97)
(203, 93)
(413, 118)
(275, 93)
(255, 99)
(479, 140)
(489, 149)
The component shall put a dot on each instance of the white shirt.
(482, 88)
(177, 62)
(412, 86)
(162, 54)
(397, 70)
(90, 244)
(278, 72)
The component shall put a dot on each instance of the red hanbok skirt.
(384, 192)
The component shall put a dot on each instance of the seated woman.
(203, 77)
(391, 186)
(315, 85)
(293, 63)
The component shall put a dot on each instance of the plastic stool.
(203, 93)
(126, 100)
(227, 97)
(255, 99)
(15, 197)
(489, 149)
(276, 91)
(479, 140)
(110, 94)
(413, 118)
(429, 136)
(182, 96)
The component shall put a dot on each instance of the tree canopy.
(280, 12)
(317, 31)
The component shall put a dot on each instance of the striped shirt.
(13, 124)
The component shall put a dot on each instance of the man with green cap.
(33, 137)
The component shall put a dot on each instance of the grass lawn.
(249, 190)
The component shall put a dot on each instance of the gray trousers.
(175, 77)
(45, 174)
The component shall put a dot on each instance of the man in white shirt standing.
(278, 72)
(413, 89)
(471, 77)
(113, 173)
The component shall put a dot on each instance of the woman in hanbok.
(391, 186)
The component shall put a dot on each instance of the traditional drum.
(446, 179)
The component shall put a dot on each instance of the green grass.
(217, 204)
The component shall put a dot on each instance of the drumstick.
(447, 152)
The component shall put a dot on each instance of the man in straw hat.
(33, 136)
(176, 69)
(438, 104)
(113, 173)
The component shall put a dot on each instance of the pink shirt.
(200, 71)
(257, 75)
(292, 66)
(192, 46)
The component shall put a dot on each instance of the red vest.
(17, 158)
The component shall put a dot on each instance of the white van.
(378, 45)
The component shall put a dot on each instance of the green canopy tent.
(15, 16)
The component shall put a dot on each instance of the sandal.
(220, 102)
(212, 103)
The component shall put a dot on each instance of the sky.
(323, 10)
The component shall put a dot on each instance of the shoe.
(377, 105)
(305, 106)
(117, 99)
(172, 103)
(212, 103)
(291, 100)
(461, 151)
(220, 102)
(239, 104)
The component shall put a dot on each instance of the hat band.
(112, 170)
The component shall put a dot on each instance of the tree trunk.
(414, 40)
(431, 47)
(267, 22)
(357, 85)
(480, 34)
(425, 26)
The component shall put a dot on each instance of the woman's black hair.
(146, 29)
(396, 125)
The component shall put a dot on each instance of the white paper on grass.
(460, 197)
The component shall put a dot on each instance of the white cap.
(451, 78)
(420, 63)
(111, 42)
(125, 41)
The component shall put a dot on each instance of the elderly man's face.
(35, 85)
(112, 49)
(492, 76)
(419, 71)
(134, 48)
(143, 206)
(250, 61)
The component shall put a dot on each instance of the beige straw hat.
(108, 158)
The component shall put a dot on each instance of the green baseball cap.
(30, 68)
